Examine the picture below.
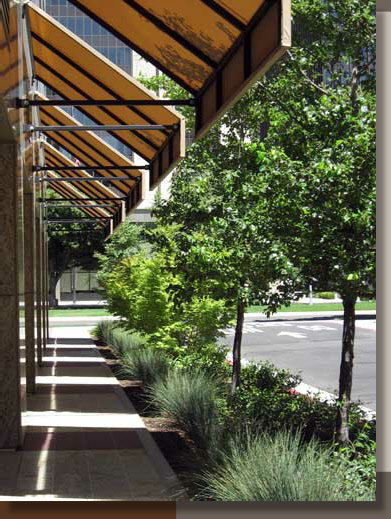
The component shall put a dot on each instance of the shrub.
(324, 295)
(137, 291)
(103, 330)
(122, 341)
(280, 468)
(145, 364)
(359, 463)
(264, 396)
(193, 402)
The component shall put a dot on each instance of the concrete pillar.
(38, 272)
(47, 285)
(29, 282)
(44, 288)
(10, 387)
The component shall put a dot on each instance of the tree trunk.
(346, 371)
(53, 279)
(236, 353)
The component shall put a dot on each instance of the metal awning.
(88, 148)
(76, 71)
(82, 193)
(215, 49)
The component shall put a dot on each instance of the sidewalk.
(84, 440)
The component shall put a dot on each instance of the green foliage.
(190, 399)
(70, 245)
(120, 340)
(259, 467)
(267, 396)
(126, 241)
(359, 462)
(324, 295)
(103, 330)
(136, 291)
(144, 364)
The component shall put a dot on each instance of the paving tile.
(138, 467)
(70, 441)
(126, 440)
(7, 487)
(34, 485)
(36, 464)
(74, 389)
(149, 489)
(111, 488)
(82, 438)
(58, 363)
(9, 465)
(70, 371)
(99, 440)
(37, 441)
(71, 476)
(105, 463)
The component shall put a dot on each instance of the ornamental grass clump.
(122, 341)
(261, 467)
(145, 364)
(192, 401)
(103, 331)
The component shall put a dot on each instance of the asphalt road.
(312, 346)
(309, 345)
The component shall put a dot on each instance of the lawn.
(79, 312)
(316, 307)
(294, 307)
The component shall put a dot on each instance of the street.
(312, 346)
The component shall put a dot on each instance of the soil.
(175, 446)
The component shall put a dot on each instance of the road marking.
(295, 335)
(316, 328)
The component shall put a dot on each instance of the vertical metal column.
(47, 284)
(74, 285)
(44, 302)
(38, 269)
(29, 278)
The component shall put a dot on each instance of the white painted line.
(315, 327)
(295, 335)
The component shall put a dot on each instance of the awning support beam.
(88, 168)
(51, 200)
(25, 103)
(74, 220)
(76, 206)
(101, 127)
(87, 179)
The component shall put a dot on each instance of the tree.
(126, 241)
(222, 241)
(70, 245)
(222, 238)
(319, 157)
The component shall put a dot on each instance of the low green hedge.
(324, 295)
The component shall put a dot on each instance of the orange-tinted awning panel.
(76, 71)
(215, 49)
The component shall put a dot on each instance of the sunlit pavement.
(84, 440)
